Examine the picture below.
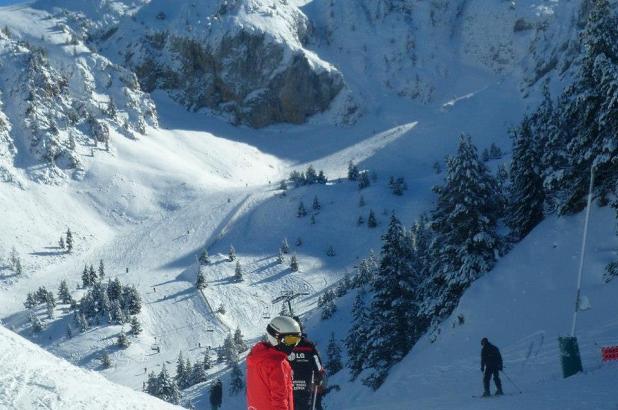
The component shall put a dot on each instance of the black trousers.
(487, 376)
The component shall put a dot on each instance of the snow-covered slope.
(31, 378)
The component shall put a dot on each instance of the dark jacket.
(269, 379)
(490, 357)
(308, 374)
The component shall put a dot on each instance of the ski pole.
(512, 382)
(315, 391)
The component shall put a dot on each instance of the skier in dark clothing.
(491, 364)
(309, 374)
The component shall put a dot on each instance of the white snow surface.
(148, 207)
(31, 378)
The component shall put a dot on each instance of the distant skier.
(491, 364)
(269, 375)
(308, 374)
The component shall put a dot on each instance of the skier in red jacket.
(269, 375)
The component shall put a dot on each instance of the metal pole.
(290, 307)
(583, 252)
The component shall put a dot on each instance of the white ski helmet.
(279, 328)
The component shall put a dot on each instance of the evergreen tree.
(525, 209)
(93, 275)
(50, 309)
(280, 257)
(231, 255)
(30, 301)
(363, 180)
(230, 350)
(316, 204)
(394, 305)
(61, 242)
(236, 380)
(238, 272)
(207, 363)
(63, 292)
(35, 323)
(216, 394)
(589, 113)
(311, 177)
(85, 277)
(494, 151)
(204, 259)
(123, 341)
(69, 241)
(106, 361)
(181, 371)
(239, 340)
(333, 363)
(330, 251)
(167, 387)
(301, 210)
(360, 221)
(200, 283)
(464, 222)
(18, 268)
(356, 340)
(152, 384)
(283, 186)
(136, 326)
(101, 270)
(372, 222)
(361, 201)
(285, 248)
(485, 155)
(353, 171)
(294, 264)
(198, 374)
(322, 179)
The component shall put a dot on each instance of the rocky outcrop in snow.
(244, 58)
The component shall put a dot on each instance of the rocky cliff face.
(242, 58)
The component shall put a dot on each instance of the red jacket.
(269, 379)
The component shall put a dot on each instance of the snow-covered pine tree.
(200, 283)
(301, 210)
(63, 292)
(181, 371)
(283, 185)
(106, 361)
(280, 257)
(589, 113)
(322, 179)
(167, 387)
(49, 306)
(353, 171)
(526, 196)
(101, 270)
(356, 339)
(316, 204)
(204, 258)
(238, 277)
(230, 350)
(485, 155)
(330, 251)
(333, 354)
(237, 383)
(93, 275)
(494, 151)
(85, 277)
(239, 340)
(61, 243)
(363, 180)
(285, 248)
(123, 341)
(372, 222)
(464, 222)
(394, 305)
(311, 177)
(30, 301)
(206, 363)
(69, 240)
(294, 264)
(328, 305)
(361, 201)
(35, 323)
(231, 255)
(18, 267)
(198, 374)
(136, 326)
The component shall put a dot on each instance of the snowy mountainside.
(522, 306)
(245, 59)
(33, 378)
(64, 99)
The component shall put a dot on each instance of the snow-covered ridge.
(243, 58)
(32, 378)
(64, 98)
